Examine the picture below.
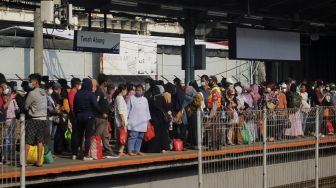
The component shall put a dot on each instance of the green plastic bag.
(67, 135)
(48, 158)
(246, 136)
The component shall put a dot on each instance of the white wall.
(64, 63)
(61, 63)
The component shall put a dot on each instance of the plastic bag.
(150, 134)
(123, 136)
(246, 135)
(32, 155)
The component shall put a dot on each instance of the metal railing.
(262, 148)
(12, 152)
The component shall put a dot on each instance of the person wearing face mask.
(215, 98)
(101, 122)
(271, 101)
(85, 104)
(305, 106)
(294, 103)
(138, 117)
(205, 89)
(10, 108)
(120, 114)
(318, 93)
(52, 116)
(37, 107)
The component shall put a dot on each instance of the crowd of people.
(92, 107)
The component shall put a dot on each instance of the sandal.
(38, 165)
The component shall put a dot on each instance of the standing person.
(294, 102)
(84, 104)
(138, 117)
(205, 89)
(214, 104)
(110, 92)
(130, 91)
(159, 117)
(36, 105)
(305, 106)
(281, 112)
(75, 87)
(270, 100)
(120, 114)
(10, 108)
(102, 122)
(58, 122)
(53, 116)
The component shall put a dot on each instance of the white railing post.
(264, 149)
(317, 142)
(199, 148)
(23, 152)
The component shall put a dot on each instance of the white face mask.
(80, 87)
(268, 90)
(30, 85)
(50, 91)
(147, 86)
(6, 91)
(284, 90)
(202, 83)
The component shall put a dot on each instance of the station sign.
(89, 41)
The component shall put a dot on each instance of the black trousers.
(86, 126)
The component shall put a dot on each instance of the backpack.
(296, 100)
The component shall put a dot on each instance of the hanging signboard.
(135, 58)
(89, 41)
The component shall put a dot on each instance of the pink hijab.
(255, 90)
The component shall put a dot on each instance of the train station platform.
(65, 169)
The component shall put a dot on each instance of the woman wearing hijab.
(159, 117)
(294, 102)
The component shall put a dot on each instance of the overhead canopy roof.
(302, 15)
(305, 16)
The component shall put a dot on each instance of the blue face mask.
(138, 94)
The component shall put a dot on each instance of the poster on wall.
(135, 58)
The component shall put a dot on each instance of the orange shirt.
(282, 101)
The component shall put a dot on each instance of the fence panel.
(299, 148)
(10, 152)
(232, 149)
(290, 147)
(327, 150)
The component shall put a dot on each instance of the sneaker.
(112, 156)
(87, 159)
(74, 157)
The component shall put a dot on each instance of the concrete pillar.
(38, 42)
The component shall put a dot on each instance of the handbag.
(96, 148)
(330, 128)
(48, 158)
(32, 155)
(123, 136)
(150, 134)
(246, 135)
(178, 145)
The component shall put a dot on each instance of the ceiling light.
(124, 3)
(167, 7)
(317, 24)
(221, 14)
